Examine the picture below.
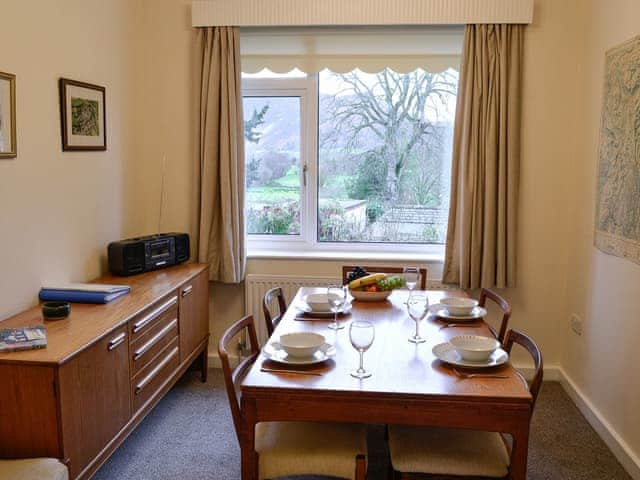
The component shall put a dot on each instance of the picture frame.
(8, 143)
(83, 116)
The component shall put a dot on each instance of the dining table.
(409, 385)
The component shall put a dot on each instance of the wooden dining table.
(409, 385)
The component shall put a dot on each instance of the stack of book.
(25, 338)
(83, 292)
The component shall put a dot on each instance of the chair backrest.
(273, 320)
(515, 336)
(346, 269)
(233, 376)
(485, 294)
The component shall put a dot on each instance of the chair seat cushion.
(33, 469)
(447, 451)
(297, 448)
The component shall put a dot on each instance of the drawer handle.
(117, 340)
(145, 348)
(187, 291)
(154, 314)
(146, 380)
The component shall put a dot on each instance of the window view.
(272, 156)
(384, 156)
(380, 171)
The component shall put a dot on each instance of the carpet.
(190, 436)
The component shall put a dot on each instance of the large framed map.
(617, 225)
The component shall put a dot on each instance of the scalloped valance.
(343, 49)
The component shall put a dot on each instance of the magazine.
(25, 338)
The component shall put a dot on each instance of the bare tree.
(398, 110)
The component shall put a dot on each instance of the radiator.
(257, 285)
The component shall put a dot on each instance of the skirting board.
(554, 373)
(616, 444)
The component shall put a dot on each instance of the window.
(348, 159)
(341, 159)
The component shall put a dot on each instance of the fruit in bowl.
(372, 287)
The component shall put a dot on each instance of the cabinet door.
(194, 314)
(95, 399)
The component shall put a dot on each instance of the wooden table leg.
(249, 459)
(519, 453)
(204, 366)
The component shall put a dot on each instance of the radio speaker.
(131, 255)
(183, 251)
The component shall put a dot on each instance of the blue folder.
(84, 293)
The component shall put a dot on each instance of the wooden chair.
(273, 320)
(346, 269)
(485, 294)
(33, 469)
(292, 448)
(419, 451)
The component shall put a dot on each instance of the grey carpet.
(190, 436)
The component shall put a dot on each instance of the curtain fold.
(221, 147)
(481, 237)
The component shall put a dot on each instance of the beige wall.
(603, 289)
(59, 210)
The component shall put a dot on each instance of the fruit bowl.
(363, 296)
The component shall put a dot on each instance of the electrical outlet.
(576, 324)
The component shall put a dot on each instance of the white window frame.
(307, 242)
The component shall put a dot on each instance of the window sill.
(429, 258)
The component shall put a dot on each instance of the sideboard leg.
(204, 366)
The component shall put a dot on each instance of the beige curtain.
(221, 143)
(481, 238)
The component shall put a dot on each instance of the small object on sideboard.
(83, 292)
(143, 254)
(23, 338)
(55, 310)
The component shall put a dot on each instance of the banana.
(369, 279)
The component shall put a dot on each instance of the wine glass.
(411, 276)
(361, 334)
(417, 306)
(337, 297)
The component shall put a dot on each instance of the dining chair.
(292, 448)
(419, 451)
(504, 306)
(346, 269)
(272, 321)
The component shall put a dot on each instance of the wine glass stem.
(335, 317)
(361, 368)
(417, 330)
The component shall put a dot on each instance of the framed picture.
(83, 116)
(8, 147)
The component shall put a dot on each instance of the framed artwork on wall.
(83, 116)
(617, 223)
(8, 147)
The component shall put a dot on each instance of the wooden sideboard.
(105, 367)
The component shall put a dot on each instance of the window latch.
(304, 175)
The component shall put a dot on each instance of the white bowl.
(459, 305)
(301, 344)
(318, 302)
(474, 348)
(363, 296)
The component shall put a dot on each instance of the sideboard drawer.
(147, 381)
(153, 342)
(148, 321)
